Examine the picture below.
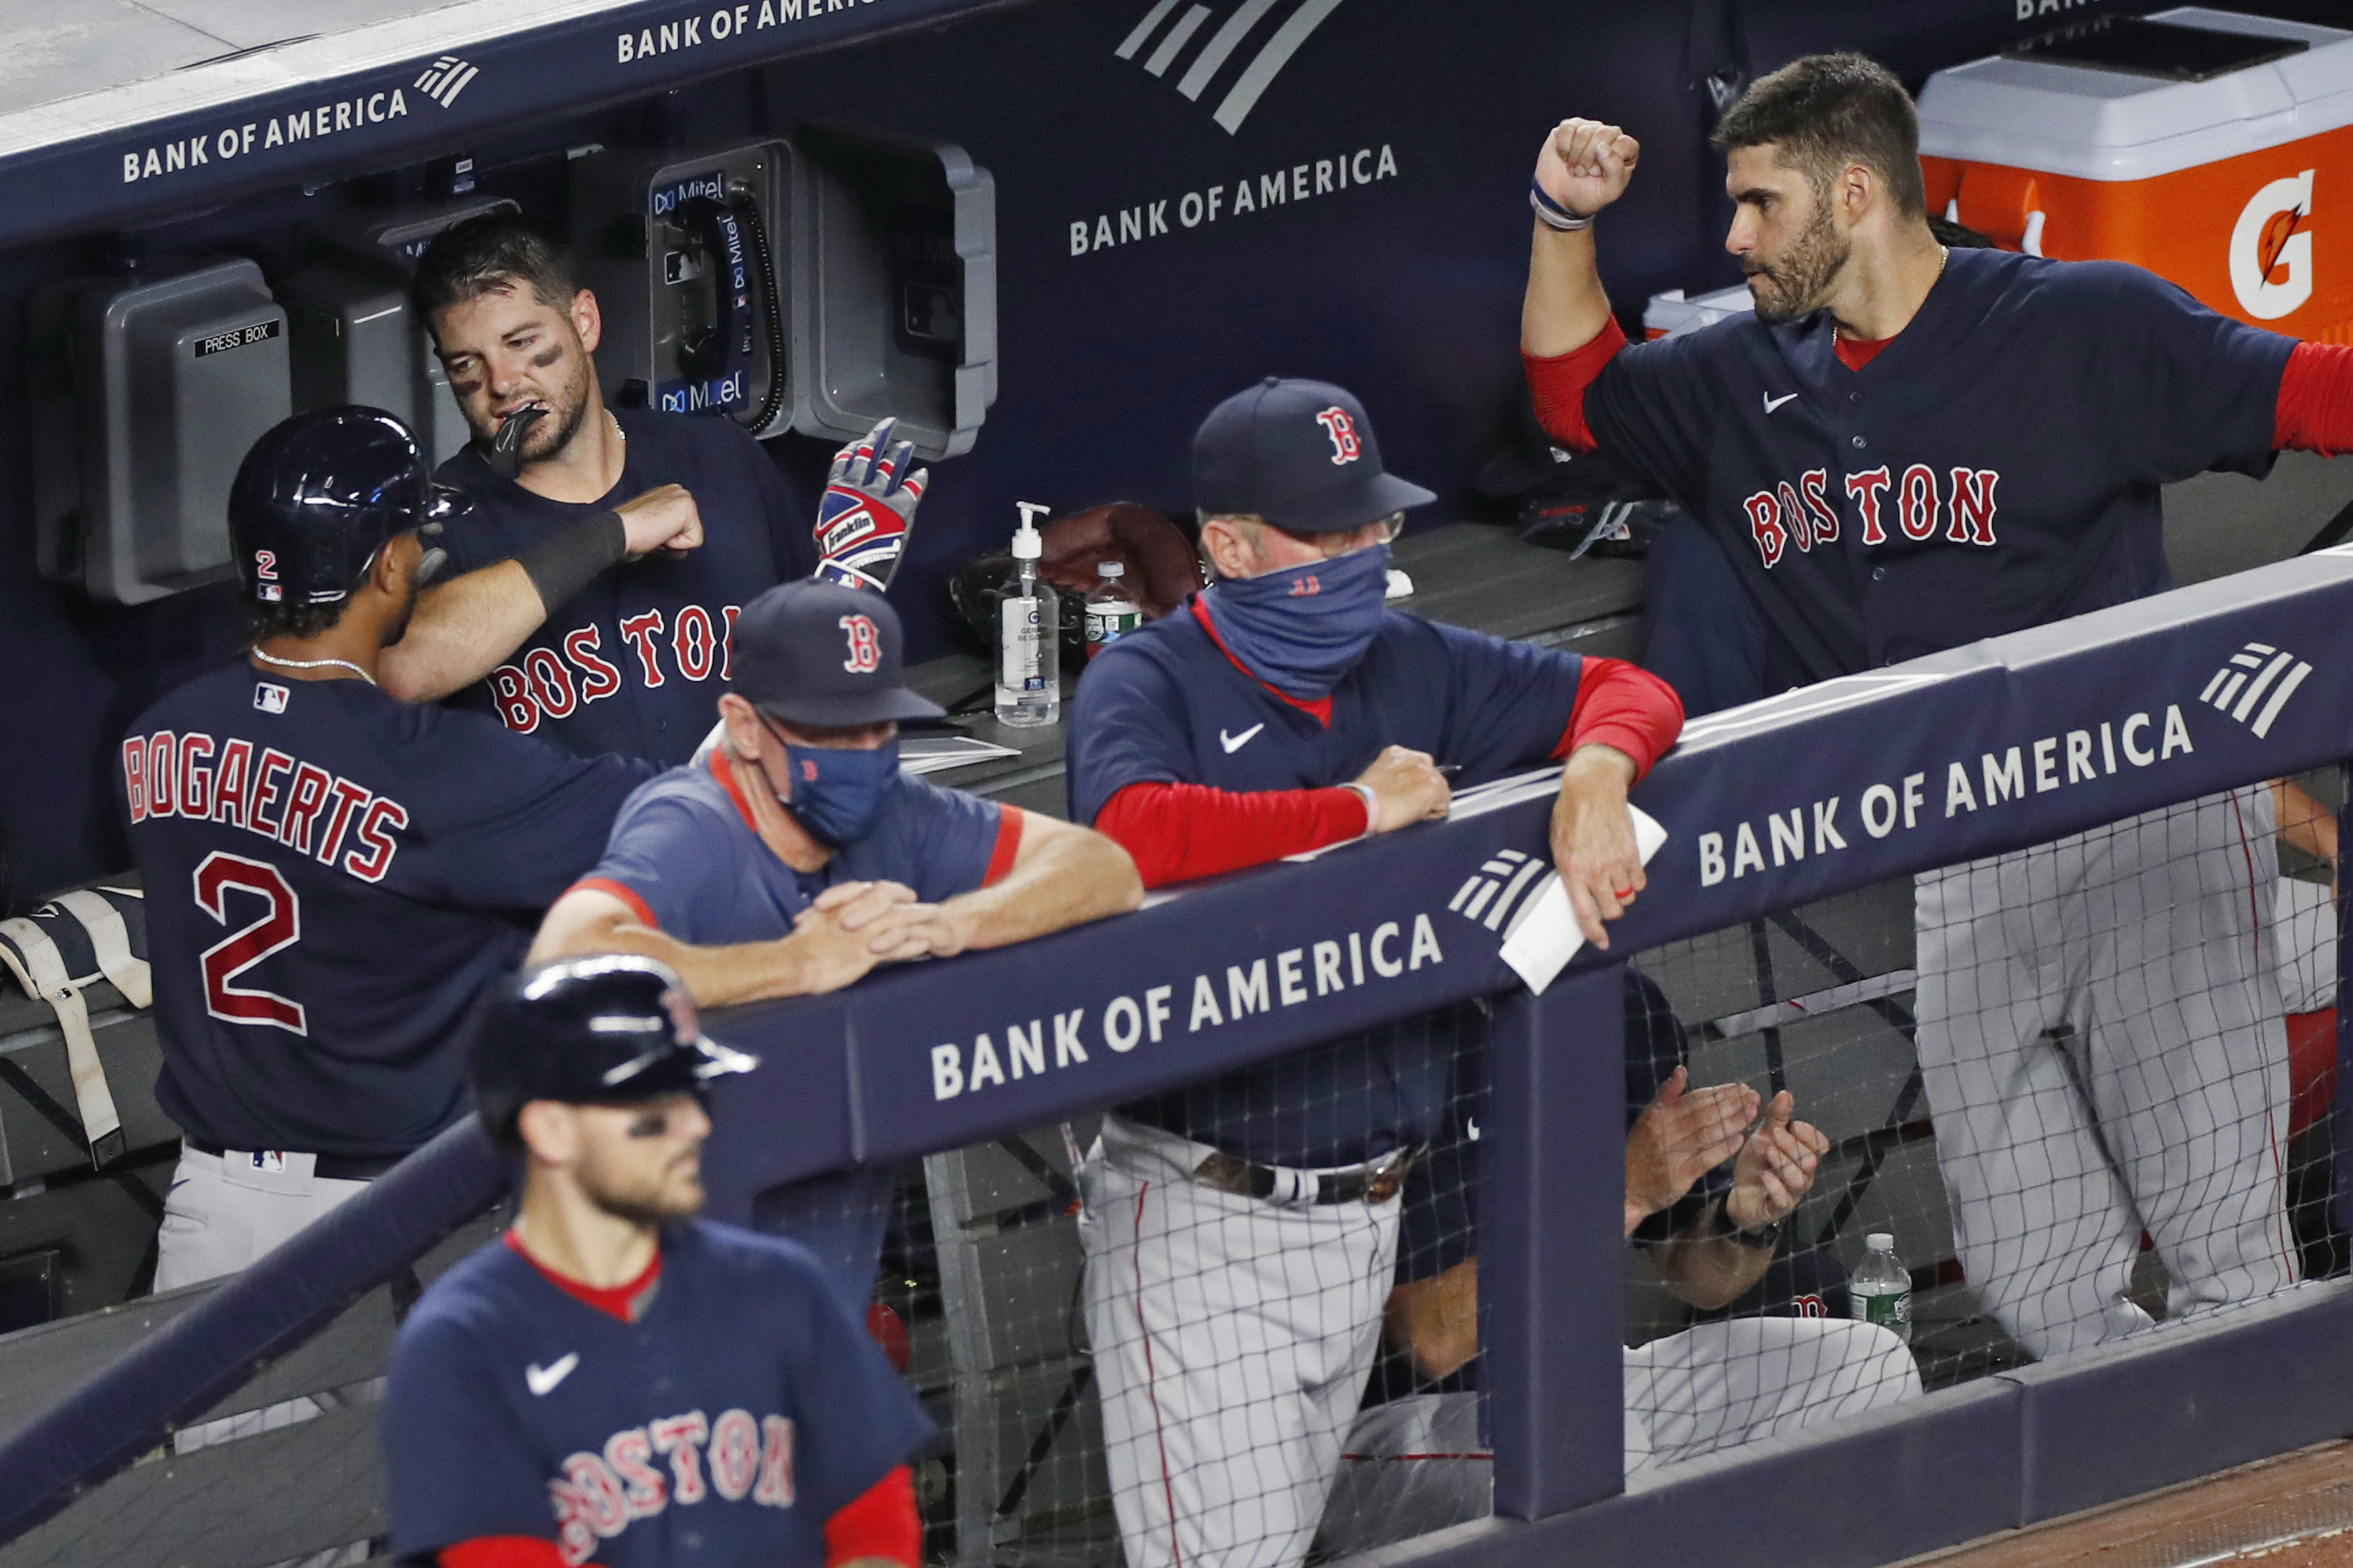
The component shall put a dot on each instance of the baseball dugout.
(2005, 921)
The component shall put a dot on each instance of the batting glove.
(868, 507)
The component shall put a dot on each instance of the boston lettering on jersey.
(742, 1408)
(633, 662)
(1997, 465)
(1802, 515)
(299, 805)
(599, 1495)
(544, 685)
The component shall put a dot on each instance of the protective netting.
(2083, 1088)
(1165, 1350)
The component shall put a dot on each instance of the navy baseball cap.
(1300, 454)
(818, 652)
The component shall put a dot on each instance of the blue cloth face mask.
(1303, 627)
(837, 795)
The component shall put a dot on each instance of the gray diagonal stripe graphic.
(1271, 59)
(1152, 19)
(1221, 44)
(1186, 26)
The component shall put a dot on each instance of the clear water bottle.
(1881, 1291)
(1112, 611)
(1029, 644)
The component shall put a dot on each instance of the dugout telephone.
(683, 252)
(817, 282)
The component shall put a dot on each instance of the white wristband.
(1372, 809)
(1552, 215)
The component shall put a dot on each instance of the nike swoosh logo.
(1773, 403)
(1234, 743)
(544, 1378)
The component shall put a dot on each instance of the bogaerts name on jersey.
(274, 795)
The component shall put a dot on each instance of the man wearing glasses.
(797, 856)
(1241, 1233)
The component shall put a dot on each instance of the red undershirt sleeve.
(2314, 413)
(1621, 706)
(1558, 386)
(1180, 831)
(502, 1552)
(880, 1522)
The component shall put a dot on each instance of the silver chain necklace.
(313, 664)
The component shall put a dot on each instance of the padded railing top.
(2006, 743)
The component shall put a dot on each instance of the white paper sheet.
(1544, 935)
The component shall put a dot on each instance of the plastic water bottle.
(1029, 644)
(1881, 1291)
(1111, 612)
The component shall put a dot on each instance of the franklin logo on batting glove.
(868, 507)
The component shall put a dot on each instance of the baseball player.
(635, 644)
(1240, 1233)
(1710, 1187)
(332, 876)
(1906, 449)
(797, 856)
(616, 1380)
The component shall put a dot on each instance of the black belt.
(328, 1167)
(1371, 1183)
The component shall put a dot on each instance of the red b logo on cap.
(1345, 447)
(865, 644)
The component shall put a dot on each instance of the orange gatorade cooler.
(2215, 150)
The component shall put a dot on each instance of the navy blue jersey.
(331, 878)
(1166, 705)
(685, 856)
(1174, 709)
(1995, 467)
(738, 1414)
(634, 661)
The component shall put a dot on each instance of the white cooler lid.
(2109, 125)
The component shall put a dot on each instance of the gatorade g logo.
(2270, 249)
(1345, 447)
(865, 644)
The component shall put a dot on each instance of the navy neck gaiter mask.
(1301, 628)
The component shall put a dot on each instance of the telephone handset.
(730, 324)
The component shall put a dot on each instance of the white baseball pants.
(1232, 1338)
(1716, 1384)
(225, 1210)
(2164, 1104)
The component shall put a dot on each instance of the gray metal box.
(883, 257)
(897, 285)
(147, 389)
(354, 337)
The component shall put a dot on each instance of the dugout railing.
(1772, 809)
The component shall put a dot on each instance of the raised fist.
(1585, 164)
(868, 506)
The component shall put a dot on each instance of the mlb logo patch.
(269, 698)
(269, 1162)
(269, 592)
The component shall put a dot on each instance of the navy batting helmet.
(317, 497)
(614, 1030)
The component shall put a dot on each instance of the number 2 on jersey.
(279, 927)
